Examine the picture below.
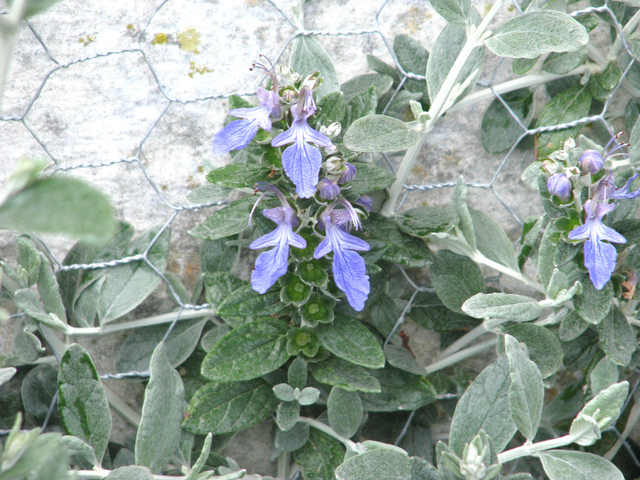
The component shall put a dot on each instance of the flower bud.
(559, 185)
(590, 162)
(366, 201)
(327, 189)
(347, 174)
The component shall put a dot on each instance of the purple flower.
(273, 263)
(239, 133)
(599, 257)
(348, 173)
(366, 202)
(328, 189)
(590, 162)
(559, 185)
(301, 161)
(349, 270)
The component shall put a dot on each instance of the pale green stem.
(9, 27)
(634, 416)
(459, 356)
(485, 327)
(438, 108)
(518, 83)
(143, 322)
(633, 321)
(352, 446)
(480, 258)
(100, 474)
(128, 413)
(553, 318)
(627, 30)
(534, 448)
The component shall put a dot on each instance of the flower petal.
(607, 233)
(270, 266)
(313, 136)
(234, 136)
(349, 273)
(323, 249)
(301, 163)
(579, 233)
(600, 260)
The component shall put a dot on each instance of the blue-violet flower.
(273, 263)
(559, 185)
(302, 161)
(237, 134)
(328, 189)
(592, 161)
(349, 270)
(599, 257)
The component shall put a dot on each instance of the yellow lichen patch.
(251, 3)
(201, 69)
(160, 38)
(130, 26)
(189, 40)
(86, 39)
(414, 18)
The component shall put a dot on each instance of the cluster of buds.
(590, 171)
(473, 464)
(330, 215)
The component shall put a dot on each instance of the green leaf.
(130, 472)
(400, 391)
(379, 133)
(126, 286)
(60, 205)
(561, 63)
(292, 439)
(544, 348)
(531, 34)
(484, 406)
(287, 415)
(604, 374)
(345, 411)
(332, 108)
(308, 56)
(402, 359)
(492, 241)
(162, 412)
(599, 413)
(453, 11)
(49, 290)
(38, 388)
(361, 106)
(617, 338)
(428, 312)
(350, 340)
(459, 204)
(423, 221)
(136, 351)
(370, 178)
(455, 278)
(499, 130)
(572, 465)
(413, 57)
(340, 373)
(6, 374)
(400, 247)
(82, 401)
(228, 407)
(29, 258)
(443, 55)
(593, 305)
(361, 84)
(239, 175)
(245, 301)
(526, 393)
(376, 465)
(210, 193)
(226, 221)
(568, 106)
(28, 301)
(320, 456)
(249, 351)
(521, 66)
(502, 305)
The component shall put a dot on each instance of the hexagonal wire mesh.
(153, 112)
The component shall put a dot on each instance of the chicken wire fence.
(167, 99)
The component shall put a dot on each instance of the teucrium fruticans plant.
(312, 334)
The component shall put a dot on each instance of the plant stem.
(352, 446)
(467, 338)
(143, 322)
(634, 416)
(459, 356)
(480, 258)
(128, 413)
(628, 29)
(438, 108)
(9, 29)
(534, 448)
